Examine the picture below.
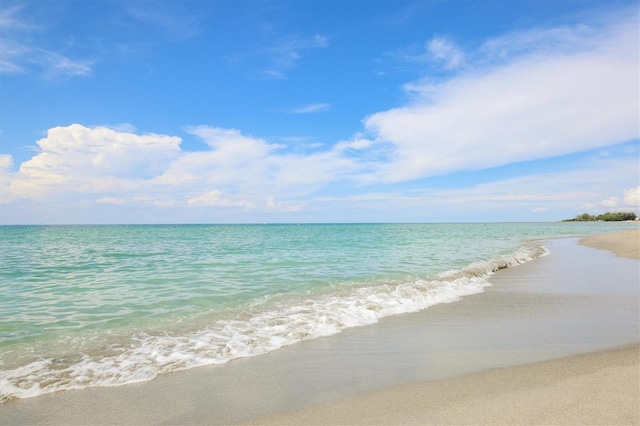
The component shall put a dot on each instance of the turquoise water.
(88, 306)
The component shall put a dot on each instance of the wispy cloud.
(287, 54)
(174, 21)
(55, 64)
(443, 50)
(9, 19)
(18, 56)
(310, 108)
(566, 38)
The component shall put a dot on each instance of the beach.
(595, 388)
(552, 341)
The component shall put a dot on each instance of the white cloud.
(549, 195)
(443, 50)
(283, 206)
(6, 162)
(112, 200)
(234, 159)
(231, 145)
(357, 143)
(107, 166)
(243, 175)
(215, 198)
(610, 202)
(632, 196)
(543, 104)
(82, 159)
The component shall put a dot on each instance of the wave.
(258, 329)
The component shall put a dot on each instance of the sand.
(626, 244)
(596, 388)
(553, 341)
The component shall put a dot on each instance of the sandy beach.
(626, 244)
(596, 388)
(553, 341)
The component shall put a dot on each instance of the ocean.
(84, 306)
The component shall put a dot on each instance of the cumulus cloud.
(231, 145)
(547, 102)
(82, 159)
(610, 202)
(234, 159)
(6, 161)
(119, 167)
(632, 196)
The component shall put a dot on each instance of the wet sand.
(596, 388)
(514, 354)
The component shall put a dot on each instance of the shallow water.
(85, 306)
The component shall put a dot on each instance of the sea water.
(84, 306)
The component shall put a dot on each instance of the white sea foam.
(260, 329)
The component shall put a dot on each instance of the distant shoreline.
(606, 217)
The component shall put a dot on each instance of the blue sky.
(317, 111)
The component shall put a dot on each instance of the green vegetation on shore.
(607, 217)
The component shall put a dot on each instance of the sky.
(247, 111)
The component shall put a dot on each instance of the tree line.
(607, 217)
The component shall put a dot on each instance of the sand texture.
(596, 388)
(625, 243)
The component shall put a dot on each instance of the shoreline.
(491, 339)
(600, 387)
